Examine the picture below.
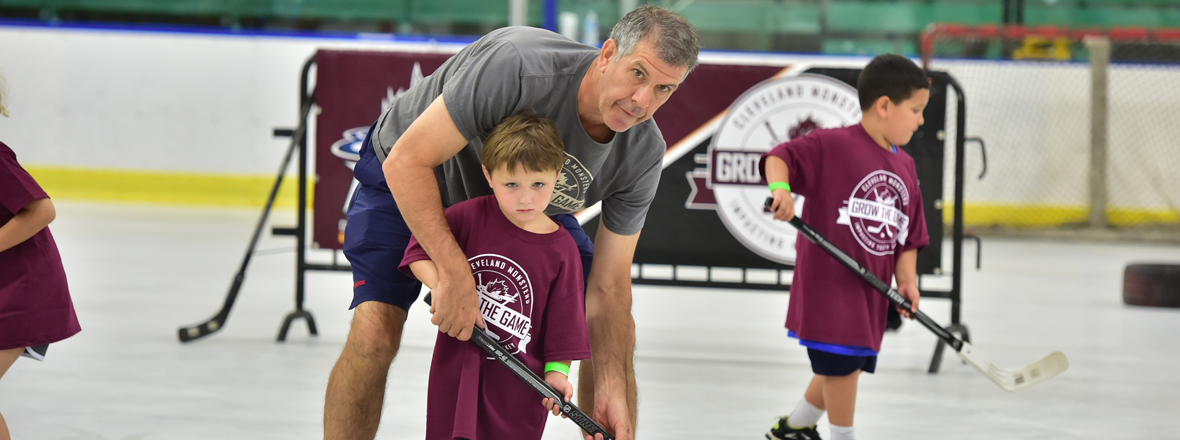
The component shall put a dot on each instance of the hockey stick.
(215, 323)
(1009, 379)
(535, 382)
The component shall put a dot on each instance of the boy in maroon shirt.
(528, 272)
(35, 306)
(862, 194)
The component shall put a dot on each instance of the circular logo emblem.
(569, 195)
(769, 114)
(874, 212)
(505, 300)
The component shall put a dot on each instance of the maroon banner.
(352, 89)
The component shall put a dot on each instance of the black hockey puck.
(1151, 284)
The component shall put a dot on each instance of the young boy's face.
(522, 194)
(903, 119)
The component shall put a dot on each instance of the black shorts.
(831, 364)
(37, 352)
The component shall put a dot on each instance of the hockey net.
(1028, 94)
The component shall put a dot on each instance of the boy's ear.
(882, 106)
(486, 174)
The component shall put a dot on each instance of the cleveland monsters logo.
(875, 212)
(569, 195)
(505, 300)
(767, 115)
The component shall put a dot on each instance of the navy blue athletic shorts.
(826, 363)
(376, 238)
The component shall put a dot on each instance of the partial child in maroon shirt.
(528, 272)
(35, 306)
(862, 194)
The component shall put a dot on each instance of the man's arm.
(612, 331)
(28, 222)
(431, 140)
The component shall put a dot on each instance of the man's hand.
(455, 305)
(610, 409)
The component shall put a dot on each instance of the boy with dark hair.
(528, 273)
(862, 194)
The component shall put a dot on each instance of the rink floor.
(711, 363)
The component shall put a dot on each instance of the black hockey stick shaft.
(216, 323)
(881, 286)
(535, 382)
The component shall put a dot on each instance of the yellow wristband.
(558, 367)
(780, 185)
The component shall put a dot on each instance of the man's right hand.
(455, 305)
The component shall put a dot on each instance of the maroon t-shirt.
(35, 306)
(866, 200)
(532, 300)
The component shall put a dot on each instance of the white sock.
(843, 433)
(805, 415)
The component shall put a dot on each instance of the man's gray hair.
(674, 39)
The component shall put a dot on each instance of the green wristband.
(558, 367)
(780, 185)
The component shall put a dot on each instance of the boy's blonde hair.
(527, 139)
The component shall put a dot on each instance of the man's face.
(634, 86)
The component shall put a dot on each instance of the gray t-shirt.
(518, 68)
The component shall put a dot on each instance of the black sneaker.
(782, 431)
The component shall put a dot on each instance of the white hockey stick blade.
(1016, 379)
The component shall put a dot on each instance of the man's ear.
(610, 49)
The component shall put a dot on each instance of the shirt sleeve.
(802, 156)
(486, 89)
(17, 187)
(625, 211)
(564, 329)
(918, 237)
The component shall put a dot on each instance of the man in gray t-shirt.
(602, 102)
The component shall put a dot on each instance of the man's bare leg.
(356, 388)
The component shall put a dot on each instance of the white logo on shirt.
(875, 212)
(505, 300)
(572, 186)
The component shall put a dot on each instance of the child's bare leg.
(7, 357)
(839, 394)
(815, 392)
